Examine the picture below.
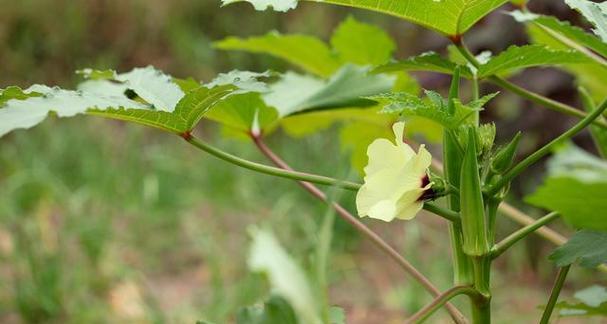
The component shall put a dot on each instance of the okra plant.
(354, 83)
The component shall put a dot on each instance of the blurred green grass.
(106, 222)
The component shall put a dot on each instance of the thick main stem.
(457, 316)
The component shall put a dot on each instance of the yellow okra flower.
(396, 179)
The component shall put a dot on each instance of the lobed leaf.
(190, 109)
(32, 106)
(586, 246)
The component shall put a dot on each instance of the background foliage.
(81, 241)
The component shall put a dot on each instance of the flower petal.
(384, 210)
(409, 205)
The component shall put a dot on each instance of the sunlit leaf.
(28, 112)
(592, 302)
(186, 115)
(575, 187)
(587, 247)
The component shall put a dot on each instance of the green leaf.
(245, 81)
(346, 88)
(306, 52)
(41, 100)
(362, 44)
(571, 36)
(190, 109)
(153, 86)
(286, 277)
(575, 187)
(595, 13)
(450, 17)
(429, 61)
(586, 246)
(244, 113)
(516, 57)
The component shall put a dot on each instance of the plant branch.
(554, 295)
(506, 243)
(532, 96)
(534, 157)
(442, 212)
(457, 316)
(441, 300)
(521, 218)
(261, 168)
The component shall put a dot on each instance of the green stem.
(554, 295)
(537, 98)
(261, 168)
(531, 159)
(442, 212)
(453, 154)
(506, 243)
(363, 229)
(481, 307)
(441, 300)
(300, 176)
